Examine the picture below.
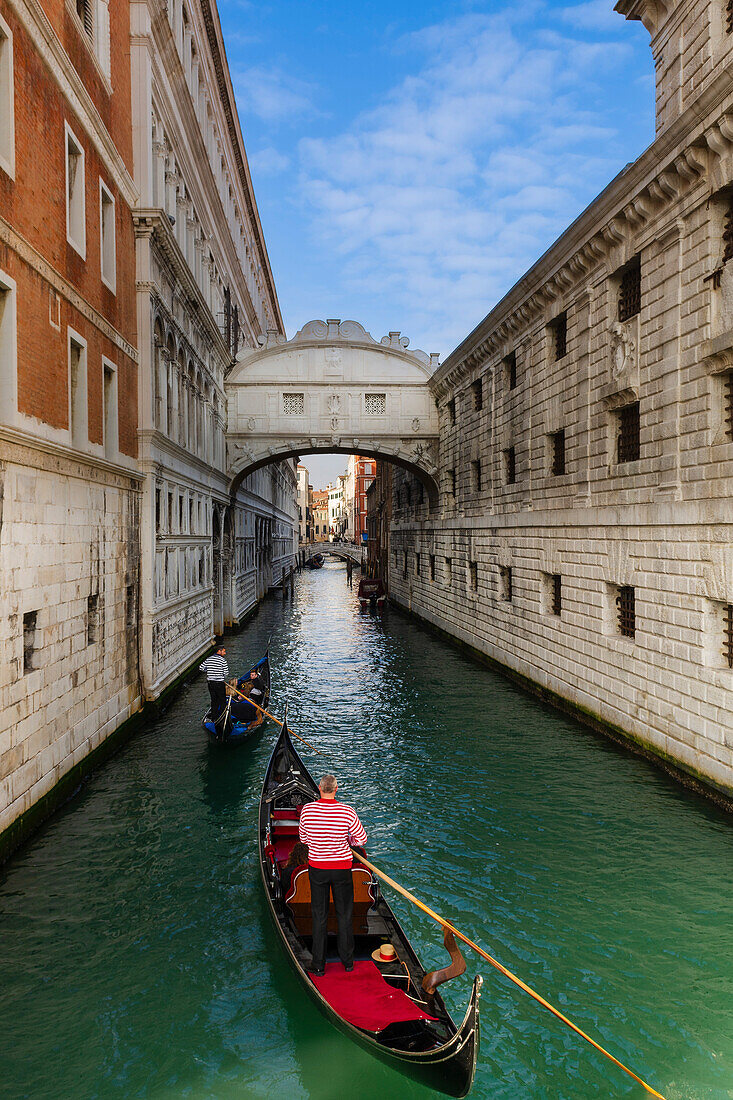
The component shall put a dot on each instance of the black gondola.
(381, 1006)
(316, 562)
(227, 730)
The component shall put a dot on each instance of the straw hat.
(385, 954)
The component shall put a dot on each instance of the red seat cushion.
(363, 998)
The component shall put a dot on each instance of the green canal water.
(136, 958)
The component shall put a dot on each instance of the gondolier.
(217, 674)
(330, 828)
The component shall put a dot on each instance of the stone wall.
(69, 555)
(584, 535)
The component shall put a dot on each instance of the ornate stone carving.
(251, 424)
(623, 351)
(334, 401)
(416, 424)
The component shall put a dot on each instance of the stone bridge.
(333, 388)
(337, 549)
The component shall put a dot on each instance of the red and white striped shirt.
(329, 828)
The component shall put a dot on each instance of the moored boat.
(227, 730)
(381, 1004)
(316, 562)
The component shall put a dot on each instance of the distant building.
(336, 507)
(319, 515)
(360, 473)
(304, 526)
(379, 517)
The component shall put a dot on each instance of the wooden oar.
(503, 970)
(276, 720)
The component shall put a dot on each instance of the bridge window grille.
(728, 634)
(451, 406)
(92, 618)
(629, 291)
(507, 591)
(628, 440)
(478, 394)
(510, 466)
(728, 232)
(476, 469)
(29, 640)
(510, 369)
(432, 567)
(558, 452)
(473, 575)
(375, 404)
(728, 404)
(559, 329)
(556, 594)
(729, 17)
(626, 611)
(294, 404)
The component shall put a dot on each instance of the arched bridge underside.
(333, 388)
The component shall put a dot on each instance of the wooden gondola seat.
(298, 902)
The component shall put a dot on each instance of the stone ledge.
(686, 776)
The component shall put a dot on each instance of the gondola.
(227, 730)
(380, 1005)
(316, 562)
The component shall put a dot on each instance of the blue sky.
(411, 161)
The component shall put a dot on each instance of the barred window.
(728, 404)
(557, 440)
(728, 233)
(473, 575)
(449, 571)
(559, 329)
(86, 15)
(628, 443)
(432, 567)
(505, 572)
(729, 17)
(728, 634)
(626, 611)
(478, 394)
(375, 404)
(30, 620)
(404, 564)
(294, 404)
(510, 466)
(92, 618)
(417, 565)
(476, 472)
(408, 495)
(629, 291)
(451, 407)
(510, 370)
(556, 594)
(451, 476)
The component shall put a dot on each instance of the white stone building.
(302, 476)
(584, 535)
(205, 290)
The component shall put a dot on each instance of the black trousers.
(218, 693)
(322, 882)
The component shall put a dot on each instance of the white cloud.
(440, 197)
(272, 95)
(268, 161)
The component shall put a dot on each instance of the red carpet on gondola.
(364, 999)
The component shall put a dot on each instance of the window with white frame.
(75, 194)
(8, 349)
(93, 17)
(107, 240)
(111, 430)
(7, 100)
(78, 417)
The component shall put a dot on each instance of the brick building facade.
(584, 537)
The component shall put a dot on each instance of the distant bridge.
(337, 549)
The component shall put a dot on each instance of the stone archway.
(333, 388)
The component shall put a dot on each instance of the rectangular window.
(559, 330)
(417, 565)
(449, 571)
(432, 567)
(728, 405)
(510, 370)
(451, 406)
(180, 514)
(729, 17)
(157, 510)
(7, 100)
(107, 242)
(404, 564)
(29, 641)
(92, 618)
(728, 634)
(557, 441)
(294, 404)
(78, 413)
(76, 233)
(451, 477)
(628, 446)
(170, 513)
(86, 17)
(626, 611)
(510, 466)
(478, 394)
(507, 591)
(375, 404)
(629, 291)
(556, 594)
(111, 430)
(8, 350)
(473, 576)
(476, 474)
(130, 607)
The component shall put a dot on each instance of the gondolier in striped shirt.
(330, 828)
(217, 674)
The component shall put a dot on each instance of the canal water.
(136, 958)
